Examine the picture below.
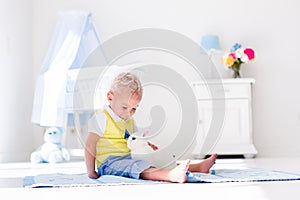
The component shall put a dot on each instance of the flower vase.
(236, 70)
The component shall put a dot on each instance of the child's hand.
(93, 175)
(153, 146)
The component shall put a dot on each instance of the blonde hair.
(128, 82)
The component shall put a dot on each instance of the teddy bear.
(52, 150)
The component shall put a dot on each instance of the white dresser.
(235, 136)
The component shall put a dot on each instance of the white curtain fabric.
(74, 39)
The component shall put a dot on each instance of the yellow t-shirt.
(113, 141)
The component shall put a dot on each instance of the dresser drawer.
(219, 91)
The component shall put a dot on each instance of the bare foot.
(205, 165)
(178, 174)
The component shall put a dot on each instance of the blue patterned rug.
(216, 176)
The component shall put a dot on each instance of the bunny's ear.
(146, 133)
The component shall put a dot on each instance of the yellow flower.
(228, 61)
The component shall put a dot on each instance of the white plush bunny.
(139, 144)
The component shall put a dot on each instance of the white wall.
(16, 64)
(271, 27)
(268, 26)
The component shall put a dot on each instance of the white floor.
(11, 180)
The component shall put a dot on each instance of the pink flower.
(232, 55)
(250, 53)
